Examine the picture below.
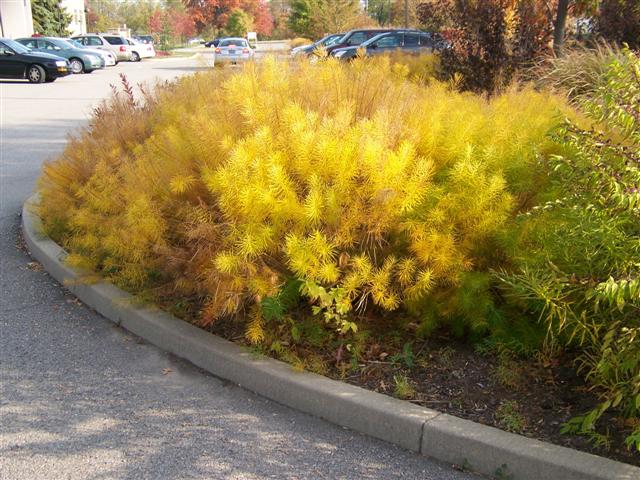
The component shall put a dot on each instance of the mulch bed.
(526, 396)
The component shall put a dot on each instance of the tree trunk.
(559, 26)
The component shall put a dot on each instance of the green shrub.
(580, 267)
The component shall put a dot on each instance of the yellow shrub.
(350, 176)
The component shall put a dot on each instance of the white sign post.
(252, 38)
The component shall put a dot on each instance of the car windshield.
(238, 42)
(15, 46)
(332, 39)
(342, 39)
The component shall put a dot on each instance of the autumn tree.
(279, 10)
(215, 14)
(102, 15)
(259, 16)
(181, 24)
(135, 14)
(490, 39)
(210, 13)
(332, 16)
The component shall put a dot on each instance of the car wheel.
(135, 57)
(35, 74)
(76, 65)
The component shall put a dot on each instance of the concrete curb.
(440, 436)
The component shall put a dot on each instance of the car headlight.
(61, 63)
(340, 53)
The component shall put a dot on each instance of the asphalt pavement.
(83, 399)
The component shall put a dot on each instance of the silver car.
(234, 50)
(109, 57)
(117, 44)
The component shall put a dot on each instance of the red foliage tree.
(156, 21)
(215, 13)
(210, 13)
(262, 19)
(181, 23)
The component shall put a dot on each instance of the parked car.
(409, 41)
(195, 41)
(306, 50)
(81, 61)
(356, 37)
(233, 49)
(17, 61)
(109, 57)
(212, 43)
(140, 50)
(144, 38)
(114, 43)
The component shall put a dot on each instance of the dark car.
(17, 61)
(212, 43)
(354, 38)
(81, 60)
(323, 42)
(408, 41)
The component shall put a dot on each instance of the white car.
(109, 58)
(140, 50)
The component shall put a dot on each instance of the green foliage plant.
(509, 416)
(50, 18)
(403, 388)
(579, 267)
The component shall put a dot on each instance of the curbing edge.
(443, 437)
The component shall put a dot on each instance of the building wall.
(15, 18)
(75, 8)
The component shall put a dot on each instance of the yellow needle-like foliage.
(221, 186)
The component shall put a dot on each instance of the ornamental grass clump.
(373, 191)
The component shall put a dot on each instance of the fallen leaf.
(166, 371)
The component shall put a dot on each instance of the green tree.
(300, 17)
(380, 11)
(102, 15)
(239, 23)
(49, 18)
(137, 13)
